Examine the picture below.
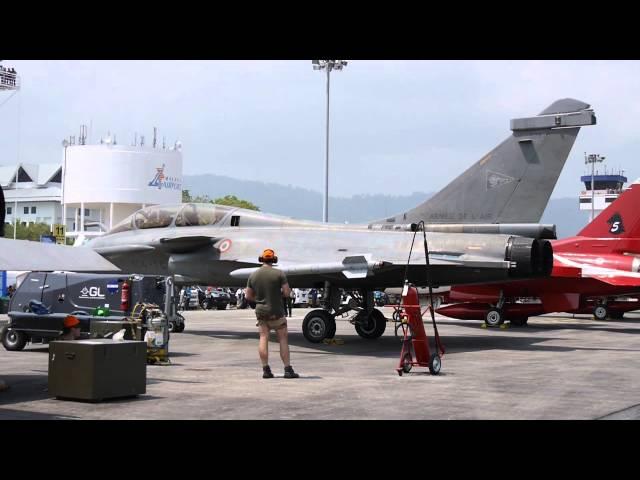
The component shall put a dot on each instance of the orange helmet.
(268, 255)
(71, 321)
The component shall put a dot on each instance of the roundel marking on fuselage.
(224, 245)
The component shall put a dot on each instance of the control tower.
(601, 189)
(9, 79)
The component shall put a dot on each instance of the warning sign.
(58, 231)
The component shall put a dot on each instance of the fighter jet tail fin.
(621, 219)
(513, 182)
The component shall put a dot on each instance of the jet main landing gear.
(320, 324)
(370, 325)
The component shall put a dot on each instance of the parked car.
(215, 297)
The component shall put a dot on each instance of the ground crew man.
(71, 330)
(266, 287)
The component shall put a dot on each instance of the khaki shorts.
(271, 321)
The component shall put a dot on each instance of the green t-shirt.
(267, 283)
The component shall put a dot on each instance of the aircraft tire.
(494, 317)
(616, 315)
(13, 340)
(374, 327)
(435, 364)
(519, 321)
(601, 312)
(317, 325)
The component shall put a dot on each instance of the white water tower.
(105, 183)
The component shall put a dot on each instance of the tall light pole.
(592, 159)
(327, 65)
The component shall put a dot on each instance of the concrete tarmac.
(558, 367)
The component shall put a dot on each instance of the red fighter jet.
(593, 272)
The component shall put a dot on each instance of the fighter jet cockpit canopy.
(183, 215)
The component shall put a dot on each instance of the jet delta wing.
(26, 255)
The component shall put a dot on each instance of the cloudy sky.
(396, 126)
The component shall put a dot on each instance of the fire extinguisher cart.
(415, 343)
(414, 338)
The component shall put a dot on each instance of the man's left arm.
(249, 293)
(286, 290)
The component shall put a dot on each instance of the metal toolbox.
(107, 328)
(97, 369)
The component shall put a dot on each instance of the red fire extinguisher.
(124, 297)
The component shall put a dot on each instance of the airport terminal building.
(93, 187)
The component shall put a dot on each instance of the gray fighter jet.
(220, 245)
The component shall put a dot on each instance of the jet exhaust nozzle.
(532, 258)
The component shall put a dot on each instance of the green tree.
(187, 198)
(234, 201)
(230, 200)
(30, 232)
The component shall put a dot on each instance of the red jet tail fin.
(621, 219)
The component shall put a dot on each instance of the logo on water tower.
(160, 180)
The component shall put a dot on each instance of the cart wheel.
(519, 321)
(435, 364)
(406, 363)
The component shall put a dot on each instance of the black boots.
(288, 372)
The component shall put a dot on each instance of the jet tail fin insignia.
(621, 219)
